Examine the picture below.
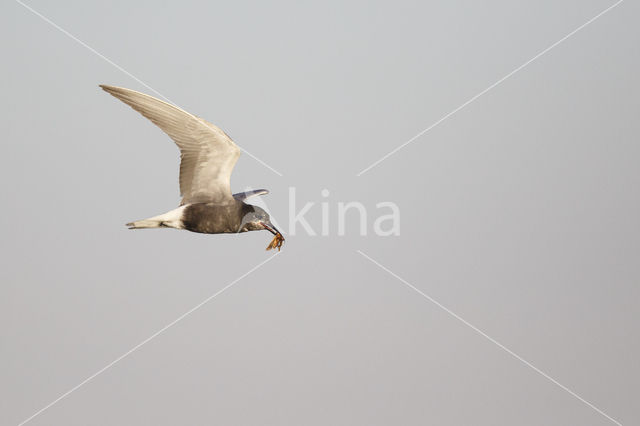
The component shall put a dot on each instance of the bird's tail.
(171, 219)
(146, 223)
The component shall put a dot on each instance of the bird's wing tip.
(110, 89)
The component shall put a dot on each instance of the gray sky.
(519, 213)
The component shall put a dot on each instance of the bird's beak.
(269, 227)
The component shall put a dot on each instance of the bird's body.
(211, 218)
(204, 218)
(208, 156)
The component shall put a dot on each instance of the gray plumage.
(208, 156)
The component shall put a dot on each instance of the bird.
(207, 158)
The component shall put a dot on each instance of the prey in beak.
(278, 240)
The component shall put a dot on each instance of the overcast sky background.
(519, 213)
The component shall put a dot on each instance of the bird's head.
(256, 219)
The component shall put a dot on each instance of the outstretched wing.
(207, 153)
(241, 196)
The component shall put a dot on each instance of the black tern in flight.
(207, 159)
